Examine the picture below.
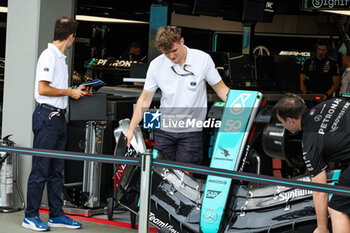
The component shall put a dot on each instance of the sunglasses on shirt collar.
(184, 74)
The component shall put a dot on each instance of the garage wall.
(288, 24)
(30, 27)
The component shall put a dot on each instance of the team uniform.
(184, 98)
(345, 82)
(49, 127)
(319, 74)
(326, 138)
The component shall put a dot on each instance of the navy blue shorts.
(181, 147)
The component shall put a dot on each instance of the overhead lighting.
(95, 18)
(107, 20)
(337, 12)
(3, 9)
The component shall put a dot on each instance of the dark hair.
(291, 106)
(324, 42)
(64, 27)
(134, 45)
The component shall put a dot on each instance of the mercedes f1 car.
(255, 142)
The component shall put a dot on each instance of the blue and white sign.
(152, 120)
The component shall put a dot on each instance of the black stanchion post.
(146, 163)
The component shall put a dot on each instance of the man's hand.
(128, 134)
(80, 92)
(321, 230)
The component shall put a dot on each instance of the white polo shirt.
(182, 95)
(52, 67)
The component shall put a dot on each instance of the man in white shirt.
(49, 127)
(181, 74)
(345, 80)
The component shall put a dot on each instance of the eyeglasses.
(185, 74)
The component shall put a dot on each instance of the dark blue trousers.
(182, 147)
(49, 133)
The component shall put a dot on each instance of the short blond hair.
(166, 37)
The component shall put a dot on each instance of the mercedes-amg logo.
(261, 50)
(318, 118)
(210, 216)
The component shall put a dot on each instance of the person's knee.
(336, 214)
(332, 212)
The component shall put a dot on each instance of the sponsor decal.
(282, 195)
(114, 64)
(238, 105)
(46, 69)
(295, 53)
(217, 181)
(223, 151)
(329, 3)
(193, 84)
(295, 193)
(172, 178)
(121, 63)
(159, 223)
(211, 194)
(269, 7)
(334, 126)
(328, 116)
(318, 118)
(210, 216)
(312, 112)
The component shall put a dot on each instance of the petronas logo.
(238, 106)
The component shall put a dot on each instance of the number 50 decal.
(232, 125)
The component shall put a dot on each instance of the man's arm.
(143, 102)
(335, 85)
(221, 90)
(321, 204)
(45, 89)
(302, 83)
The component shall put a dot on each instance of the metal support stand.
(91, 184)
(146, 162)
(92, 170)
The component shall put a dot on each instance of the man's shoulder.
(158, 60)
(197, 52)
(332, 60)
(47, 54)
(308, 61)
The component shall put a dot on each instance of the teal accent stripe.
(91, 62)
(336, 175)
(83, 157)
(279, 182)
(215, 41)
(195, 168)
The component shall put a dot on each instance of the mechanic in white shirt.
(181, 74)
(49, 127)
(345, 79)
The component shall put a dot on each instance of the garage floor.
(11, 222)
